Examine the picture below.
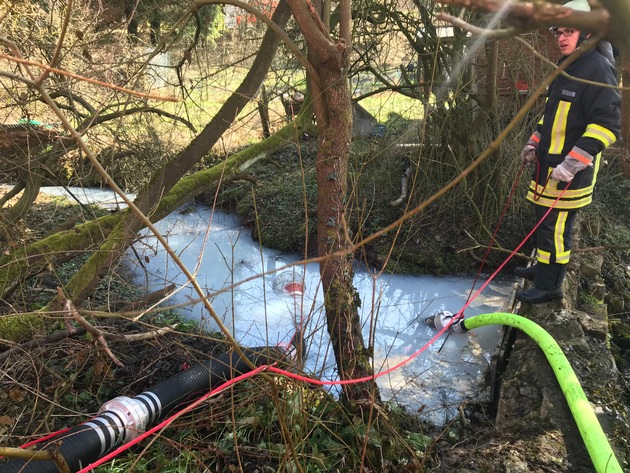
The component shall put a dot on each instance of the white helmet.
(578, 5)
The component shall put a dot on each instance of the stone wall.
(531, 406)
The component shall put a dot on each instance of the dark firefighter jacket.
(580, 120)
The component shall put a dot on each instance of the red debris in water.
(294, 288)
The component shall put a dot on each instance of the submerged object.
(445, 318)
(289, 283)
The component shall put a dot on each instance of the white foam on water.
(228, 265)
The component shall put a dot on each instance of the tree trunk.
(333, 110)
(64, 246)
(263, 111)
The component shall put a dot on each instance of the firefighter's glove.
(561, 173)
(528, 155)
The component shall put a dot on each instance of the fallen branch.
(72, 312)
(102, 337)
(136, 337)
(27, 454)
(148, 299)
(52, 338)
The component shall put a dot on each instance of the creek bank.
(533, 424)
(530, 428)
(278, 200)
(475, 441)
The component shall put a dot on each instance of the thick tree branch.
(27, 454)
(312, 28)
(533, 15)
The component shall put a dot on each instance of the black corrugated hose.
(123, 419)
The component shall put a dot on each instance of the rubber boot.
(526, 273)
(547, 284)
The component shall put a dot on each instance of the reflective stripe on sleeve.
(600, 133)
(581, 155)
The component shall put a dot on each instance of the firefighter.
(580, 120)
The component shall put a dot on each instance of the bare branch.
(279, 31)
(107, 85)
(476, 30)
(62, 34)
(97, 119)
(534, 15)
(70, 310)
(72, 97)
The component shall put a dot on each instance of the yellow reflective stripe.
(571, 199)
(563, 258)
(596, 165)
(558, 233)
(543, 256)
(552, 190)
(559, 128)
(600, 133)
(560, 204)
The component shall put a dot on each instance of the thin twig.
(96, 333)
(83, 78)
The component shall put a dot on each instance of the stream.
(246, 285)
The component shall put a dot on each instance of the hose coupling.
(443, 319)
(133, 413)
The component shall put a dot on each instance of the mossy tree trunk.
(63, 246)
(333, 110)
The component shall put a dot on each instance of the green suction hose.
(599, 449)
